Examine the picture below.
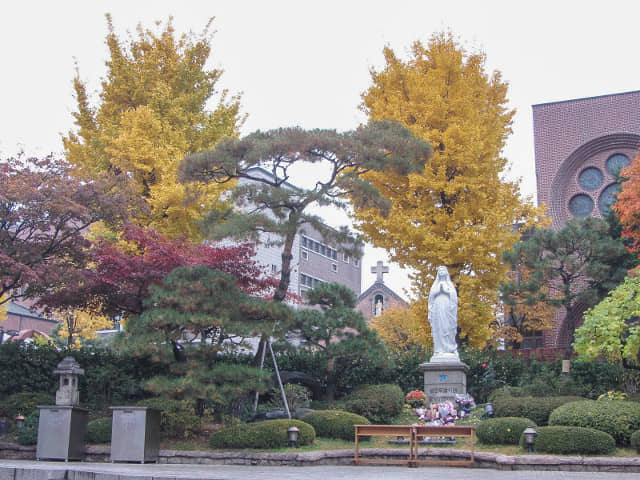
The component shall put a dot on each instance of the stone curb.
(100, 454)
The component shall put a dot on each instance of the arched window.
(378, 305)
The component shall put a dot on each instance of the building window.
(274, 268)
(532, 339)
(608, 197)
(334, 267)
(309, 281)
(617, 162)
(580, 205)
(320, 248)
(305, 255)
(378, 305)
(345, 258)
(591, 178)
(356, 263)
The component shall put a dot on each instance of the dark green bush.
(99, 430)
(28, 434)
(537, 409)
(178, 418)
(24, 403)
(502, 431)
(334, 423)
(564, 440)
(634, 441)
(379, 403)
(504, 392)
(619, 418)
(267, 434)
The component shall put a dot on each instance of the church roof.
(380, 286)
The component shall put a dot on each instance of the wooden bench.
(413, 432)
(444, 431)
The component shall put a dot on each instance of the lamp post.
(19, 421)
(292, 434)
(530, 437)
(488, 410)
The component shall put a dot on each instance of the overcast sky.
(306, 63)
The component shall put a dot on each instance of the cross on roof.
(379, 270)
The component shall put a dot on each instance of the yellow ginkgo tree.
(157, 104)
(76, 325)
(460, 211)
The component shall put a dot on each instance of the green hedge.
(28, 434)
(619, 418)
(178, 418)
(334, 423)
(537, 409)
(379, 403)
(110, 378)
(504, 392)
(565, 440)
(99, 430)
(267, 434)
(635, 440)
(24, 403)
(502, 431)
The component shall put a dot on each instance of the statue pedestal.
(444, 379)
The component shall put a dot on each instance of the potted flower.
(416, 399)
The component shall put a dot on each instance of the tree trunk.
(331, 382)
(571, 327)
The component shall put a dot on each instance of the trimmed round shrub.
(28, 433)
(335, 423)
(24, 403)
(379, 403)
(99, 430)
(537, 409)
(502, 431)
(619, 418)
(635, 440)
(178, 418)
(565, 440)
(267, 434)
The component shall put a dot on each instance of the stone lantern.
(67, 393)
(62, 428)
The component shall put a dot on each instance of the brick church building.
(580, 146)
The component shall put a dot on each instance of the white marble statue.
(443, 316)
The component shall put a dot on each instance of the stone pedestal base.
(135, 434)
(444, 380)
(61, 432)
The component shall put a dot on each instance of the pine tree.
(194, 317)
(335, 331)
(572, 268)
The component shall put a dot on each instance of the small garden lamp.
(529, 437)
(488, 410)
(292, 434)
(19, 421)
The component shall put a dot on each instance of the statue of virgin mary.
(443, 315)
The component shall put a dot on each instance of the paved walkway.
(32, 470)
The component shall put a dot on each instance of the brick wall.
(570, 137)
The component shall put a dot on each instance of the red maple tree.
(627, 205)
(122, 270)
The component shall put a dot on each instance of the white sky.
(306, 63)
